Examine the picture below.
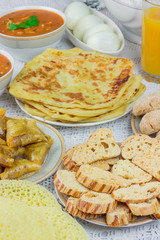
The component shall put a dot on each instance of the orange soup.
(5, 65)
(151, 41)
(47, 22)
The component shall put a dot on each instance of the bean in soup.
(47, 22)
(5, 65)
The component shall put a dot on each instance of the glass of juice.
(150, 58)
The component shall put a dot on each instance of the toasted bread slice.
(127, 170)
(149, 163)
(96, 203)
(145, 208)
(66, 183)
(137, 193)
(102, 133)
(71, 207)
(103, 164)
(67, 160)
(98, 179)
(138, 144)
(94, 150)
(120, 216)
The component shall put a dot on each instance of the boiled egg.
(98, 28)
(84, 24)
(104, 41)
(74, 12)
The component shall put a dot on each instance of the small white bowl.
(129, 17)
(25, 48)
(75, 41)
(5, 79)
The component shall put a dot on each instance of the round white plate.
(54, 156)
(101, 220)
(21, 105)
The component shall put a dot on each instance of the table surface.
(121, 128)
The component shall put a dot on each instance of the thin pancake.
(85, 79)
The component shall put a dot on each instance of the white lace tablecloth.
(121, 129)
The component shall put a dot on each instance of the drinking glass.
(150, 58)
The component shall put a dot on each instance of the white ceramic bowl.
(25, 48)
(130, 18)
(76, 42)
(5, 79)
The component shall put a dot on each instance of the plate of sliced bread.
(111, 184)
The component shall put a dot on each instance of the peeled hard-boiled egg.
(84, 24)
(74, 12)
(104, 41)
(98, 28)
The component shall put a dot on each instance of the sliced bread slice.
(138, 144)
(71, 207)
(67, 160)
(145, 208)
(94, 150)
(66, 182)
(96, 203)
(102, 133)
(127, 170)
(120, 216)
(137, 193)
(98, 179)
(103, 164)
(149, 163)
(112, 161)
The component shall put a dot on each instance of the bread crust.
(71, 190)
(71, 208)
(96, 203)
(67, 160)
(99, 180)
(145, 208)
(120, 216)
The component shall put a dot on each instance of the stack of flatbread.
(77, 86)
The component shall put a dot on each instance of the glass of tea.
(150, 58)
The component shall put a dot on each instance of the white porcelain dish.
(76, 42)
(21, 105)
(54, 156)
(101, 220)
(25, 48)
(5, 79)
(129, 17)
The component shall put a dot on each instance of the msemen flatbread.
(75, 85)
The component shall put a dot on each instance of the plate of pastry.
(89, 94)
(29, 149)
(110, 186)
(146, 115)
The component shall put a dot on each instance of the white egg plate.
(76, 42)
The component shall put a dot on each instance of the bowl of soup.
(6, 70)
(27, 31)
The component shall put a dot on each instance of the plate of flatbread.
(112, 184)
(29, 149)
(76, 87)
